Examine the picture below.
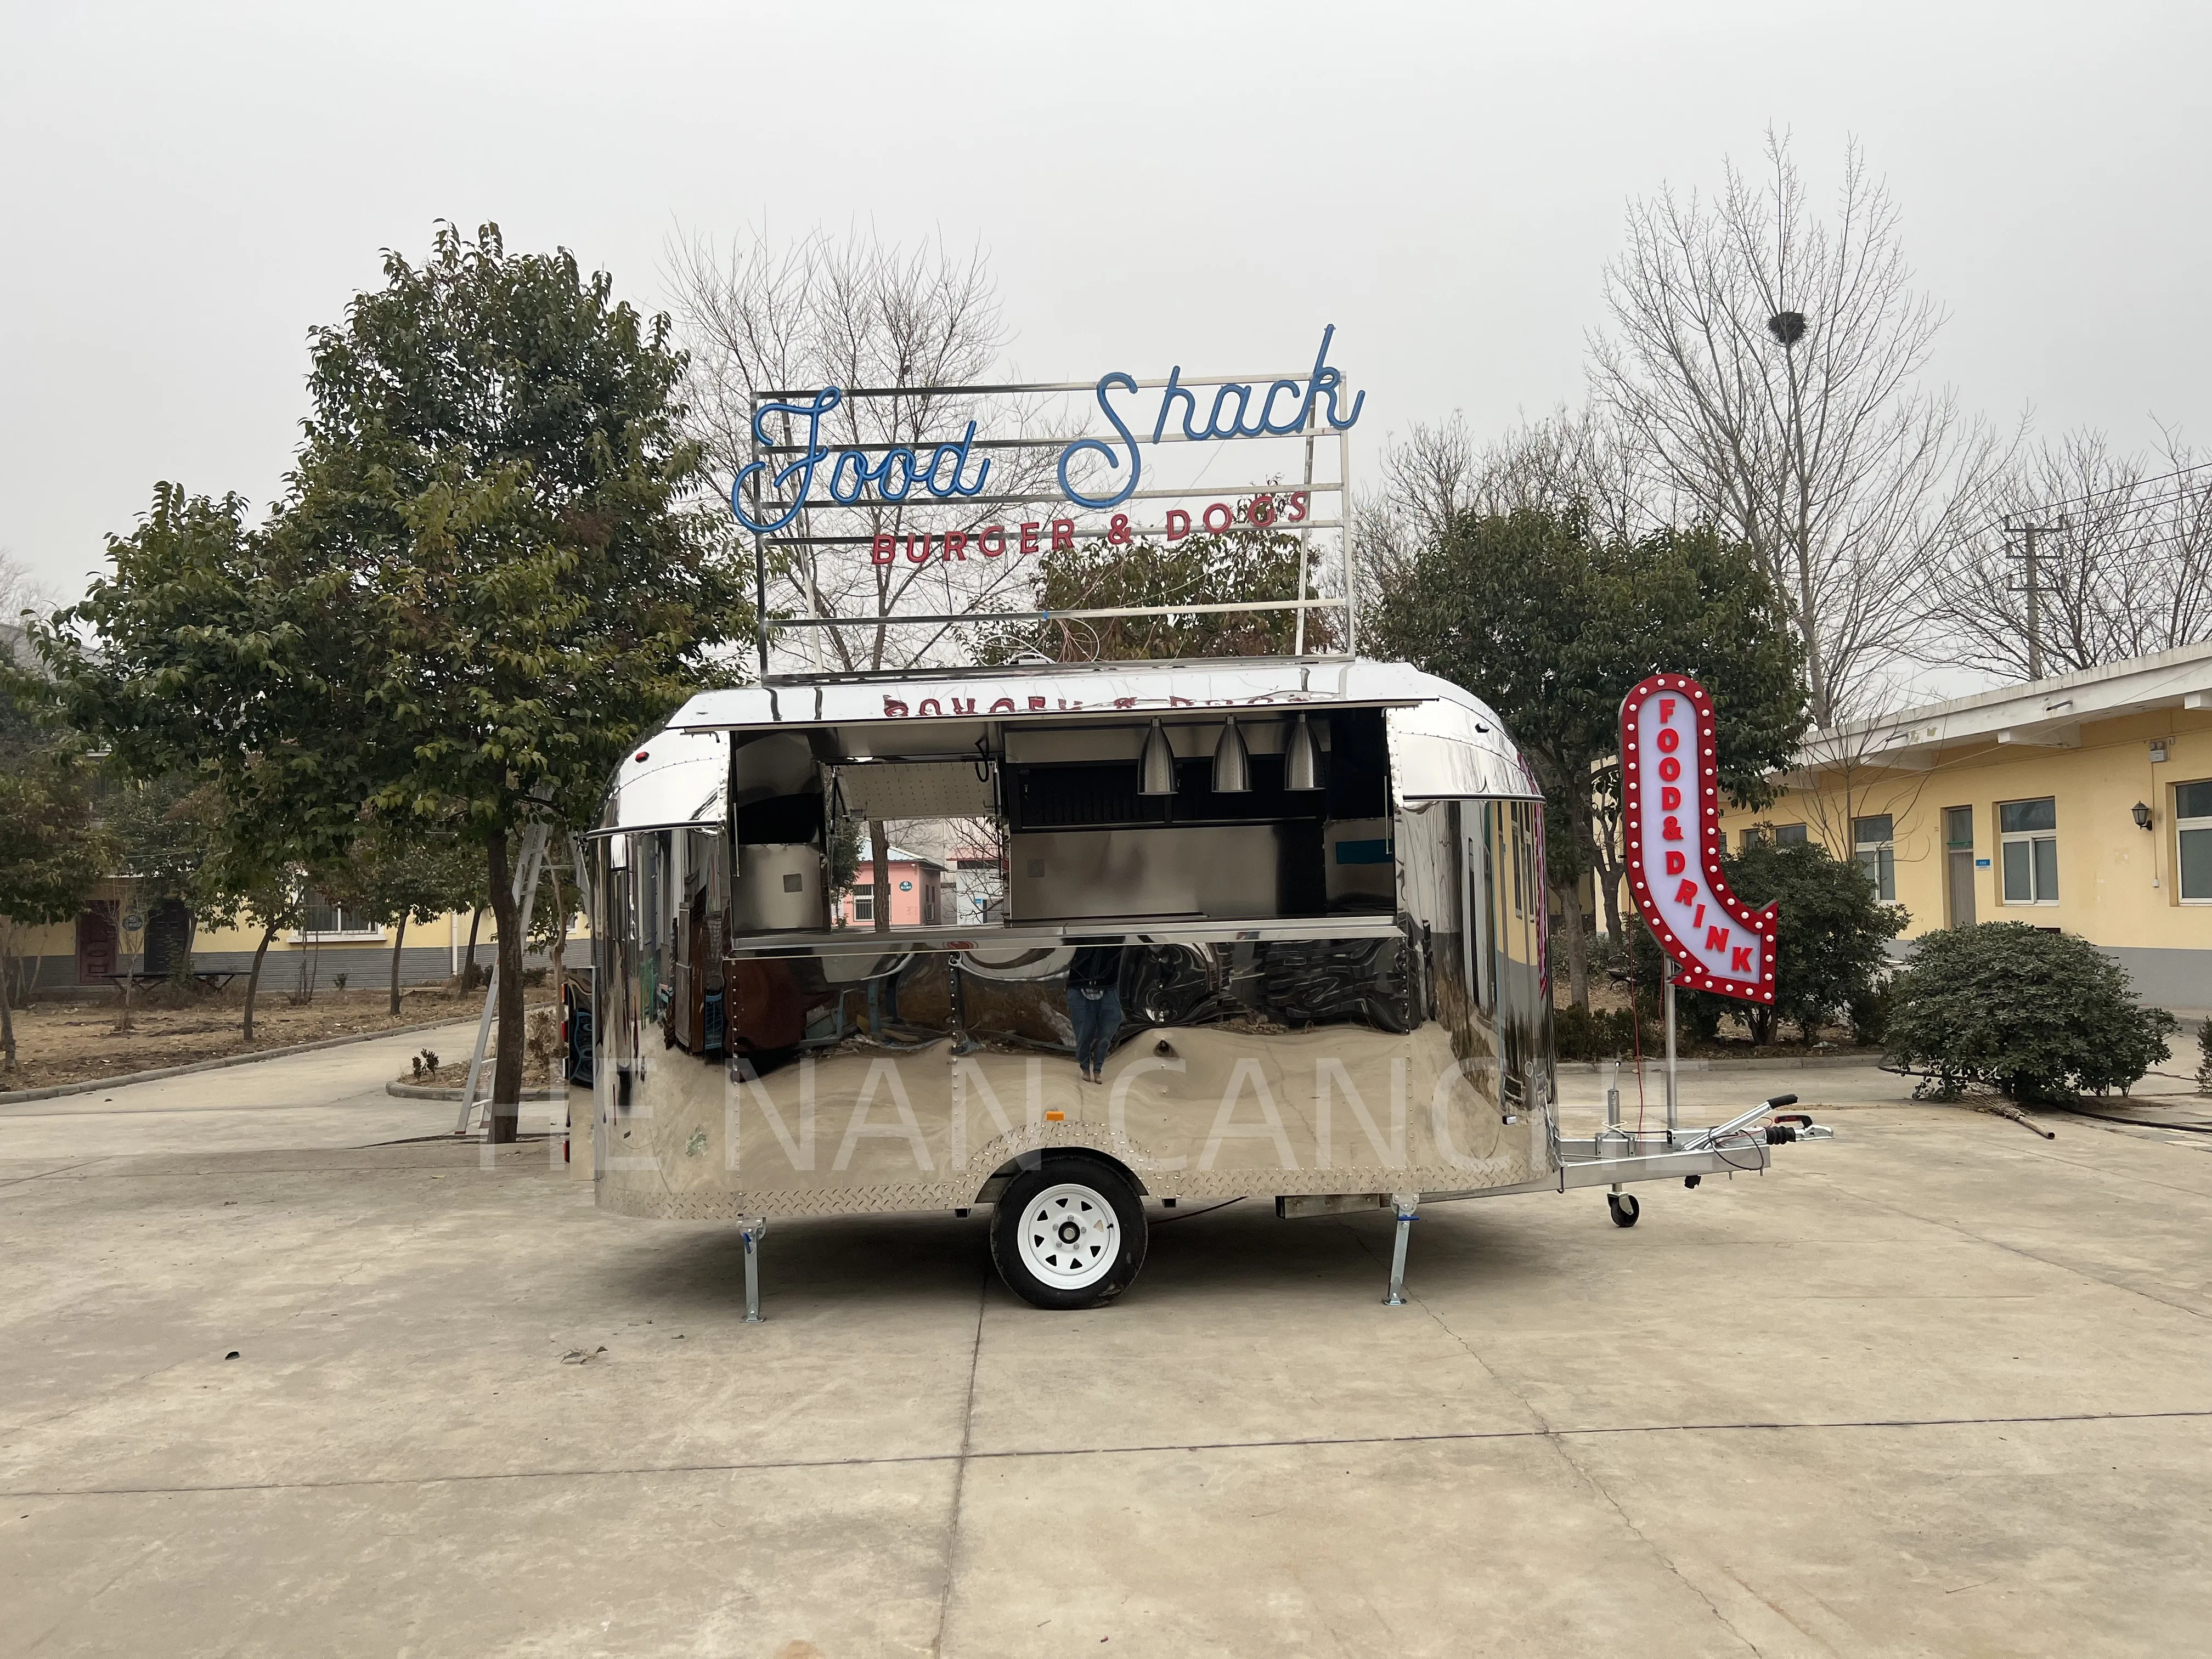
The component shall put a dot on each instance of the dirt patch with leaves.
(430, 1069)
(59, 1042)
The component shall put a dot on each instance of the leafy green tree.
(272, 895)
(497, 565)
(206, 656)
(164, 828)
(2040, 1016)
(1550, 625)
(53, 849)
(398, 874)
(1828, 954)
(209, 668)
(533, 573)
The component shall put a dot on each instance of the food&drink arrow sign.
(1670, 792)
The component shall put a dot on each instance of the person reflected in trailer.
(1094, 1006)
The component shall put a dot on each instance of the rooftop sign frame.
(793, 475)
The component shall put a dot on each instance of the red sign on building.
(1671, 815)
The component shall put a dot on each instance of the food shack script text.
(1282, 410)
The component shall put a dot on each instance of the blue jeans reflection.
(1096, 1016)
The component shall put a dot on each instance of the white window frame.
(305, 935)
(2029, 837)
(2183, 827)
(1884, 850)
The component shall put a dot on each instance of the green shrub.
(2204, 1055)
(2040, 1015)
(1828, 956)
(1578, 1034)
(1871, 1013)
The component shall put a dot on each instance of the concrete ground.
(1937, 1387)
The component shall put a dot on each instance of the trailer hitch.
(1787, 1127)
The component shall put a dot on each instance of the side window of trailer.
(1514, 845)
(1480, 848)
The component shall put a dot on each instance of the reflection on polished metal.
(1301, 759)
(1158, 776)
(1232, 766)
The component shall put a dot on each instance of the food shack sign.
(767, 496)
(1670, 791)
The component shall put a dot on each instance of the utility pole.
(2033, 588)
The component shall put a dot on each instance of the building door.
(169, 937)
(96, 941)
(1959, 863)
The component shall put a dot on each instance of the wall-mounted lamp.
(1156, 770)
(2141, 814)
(1232, 766)
(1301, 758)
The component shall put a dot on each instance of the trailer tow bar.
(1801, 1127)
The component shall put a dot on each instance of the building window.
(864, 909)
(1788, 834)
(2192, 822)
(1874, 840)
(327, 918)
(1752, 834)
(2027, 833)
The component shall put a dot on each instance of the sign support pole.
(1672, 1102)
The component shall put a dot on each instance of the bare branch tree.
(19, 592)
(1569, 460)
(1846, 772)
(856, 312)
(2124, 564)
(1764, 365)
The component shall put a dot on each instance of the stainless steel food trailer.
(1325, 877)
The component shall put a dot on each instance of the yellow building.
(2081, 803)
(87, 953)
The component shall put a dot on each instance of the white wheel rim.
(1070, 1237)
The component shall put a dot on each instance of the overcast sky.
(188, 189)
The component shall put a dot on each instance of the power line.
(2119, 489)
(2183, 492)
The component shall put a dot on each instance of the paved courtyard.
(1938, 1386)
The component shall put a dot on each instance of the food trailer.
(1323, 881)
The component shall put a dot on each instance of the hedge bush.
(1579, 1034)
(2040, 1016)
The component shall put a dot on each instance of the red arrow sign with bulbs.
(1671, 815)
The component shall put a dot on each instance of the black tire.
(1624, 1208)
(1086, 1230)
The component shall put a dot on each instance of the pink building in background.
(917, 893)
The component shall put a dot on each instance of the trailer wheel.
(1069, 1233)
(1624, 1208)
